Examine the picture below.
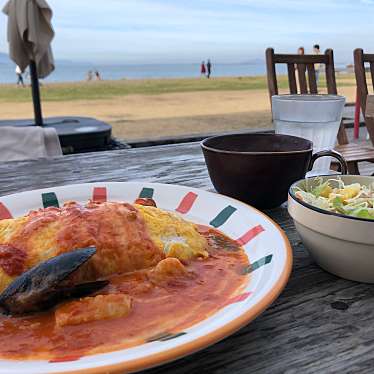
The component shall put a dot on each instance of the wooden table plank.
(320, 323)
(167, 164)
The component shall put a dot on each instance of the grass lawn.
(109, 89)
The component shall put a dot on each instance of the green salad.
(353, 200)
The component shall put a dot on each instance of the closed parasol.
(30, 34)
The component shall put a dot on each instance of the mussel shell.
(42, 286)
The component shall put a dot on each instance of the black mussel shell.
(43, 286)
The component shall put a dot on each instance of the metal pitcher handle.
(330, 153)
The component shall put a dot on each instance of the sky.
(178, 31)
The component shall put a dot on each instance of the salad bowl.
(341, 238)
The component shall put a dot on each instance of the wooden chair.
(353, 153)
(360, 58)
(369, 116)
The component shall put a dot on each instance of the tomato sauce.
(158, 309)
(12, 260)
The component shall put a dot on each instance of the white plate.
(265, 243)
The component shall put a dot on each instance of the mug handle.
(330, 153)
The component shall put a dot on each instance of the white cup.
(313, 117)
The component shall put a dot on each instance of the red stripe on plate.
(99, 194)
(186, 203)
(239, 298)
(249, 235)
(65, 359)
(4, 212)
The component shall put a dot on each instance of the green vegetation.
(110, 89)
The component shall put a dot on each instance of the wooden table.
(320, 323)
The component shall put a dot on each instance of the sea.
(67, 71)
(75, 72)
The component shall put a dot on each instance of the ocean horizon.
(75, 72)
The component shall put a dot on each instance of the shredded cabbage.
(334, 195)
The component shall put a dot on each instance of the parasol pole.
(36, 94)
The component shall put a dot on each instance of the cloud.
(176, 30)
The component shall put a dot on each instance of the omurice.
(102, 276)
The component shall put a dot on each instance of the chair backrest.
(306, 73)
(360, 58)
(369, 116)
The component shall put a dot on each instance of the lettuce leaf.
(362, 213)
(337, 203)
(316, 191)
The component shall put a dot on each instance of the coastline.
(78, 72)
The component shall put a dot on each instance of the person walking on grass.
(89, 76)
(203, 69)
(97, 75)
(317, 67)
(209, 69)
(19, 77)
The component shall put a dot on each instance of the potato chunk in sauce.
(168, 269)
(93, 309)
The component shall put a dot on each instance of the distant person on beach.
(203, 69)
(97, 75)
(317, 67)
(208, 68)
(89, 76)
(19, 77)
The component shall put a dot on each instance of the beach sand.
(169, 114)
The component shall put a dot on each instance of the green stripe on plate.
(163, 337)
(223, 216)
(50, 199)
(146, 193)
(257, 264)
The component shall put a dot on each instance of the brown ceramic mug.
(259, 168)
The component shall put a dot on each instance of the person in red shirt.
(203, 69)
